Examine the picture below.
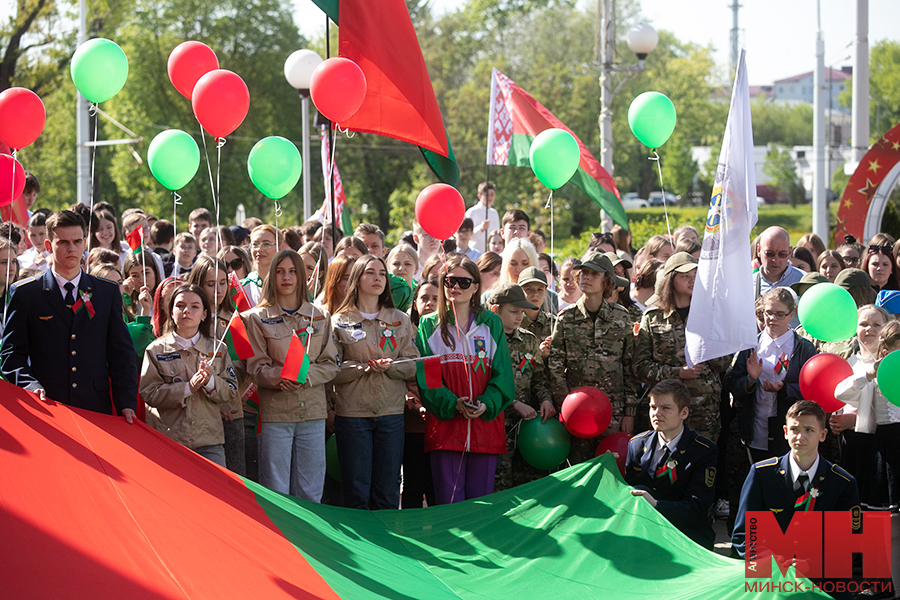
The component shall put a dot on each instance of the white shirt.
(62, 281)
(661, 446)
(796, 471)
(770, 352)
(480, 213)
(28, 258)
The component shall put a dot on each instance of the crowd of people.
(139, 330)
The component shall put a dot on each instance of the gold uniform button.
(74, 369)
(73, 353)
(73, 336)
(74, 385)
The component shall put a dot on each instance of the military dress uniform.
(659, 355)
(684, 486)
(532, 388)
(84, 359)
(770, 486)
(594, 353)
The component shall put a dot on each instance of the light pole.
(298, 70)
(642, 40)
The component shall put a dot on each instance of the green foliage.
(884, 88)
(839, 181)
(784, 124)
(781, 170)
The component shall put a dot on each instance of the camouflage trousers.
(512, 469)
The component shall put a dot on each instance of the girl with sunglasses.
(879, 262)
(370, 389)
(465, 432)
(236, 259)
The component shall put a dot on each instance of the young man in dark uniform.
(673, 467)
(64, 337)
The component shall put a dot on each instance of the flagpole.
(487, 209)
(334, 236)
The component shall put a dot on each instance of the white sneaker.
(721, 509)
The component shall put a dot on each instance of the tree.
(782, 171)
(884, 88)
(777, 123)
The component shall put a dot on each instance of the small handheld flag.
(239, 347)
(236, 292)
(430, 367)
(296, 363)
(135, 240)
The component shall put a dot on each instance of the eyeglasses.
(777, 315)
(781, 255)
(463, 282)
(235, 264)
(851, 261)
(261, 245)
(884, 249)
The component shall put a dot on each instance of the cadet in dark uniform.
(800, 477)
(64, 336)
(673, 467)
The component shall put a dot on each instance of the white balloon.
(299, 66)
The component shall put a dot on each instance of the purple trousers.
(462, 476)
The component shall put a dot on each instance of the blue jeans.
(215, 453)
(292, 458)
(370, 450)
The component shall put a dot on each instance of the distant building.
(800, 88)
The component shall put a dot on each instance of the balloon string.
(176, 202)
(219, 143)
(663, 190)
(350, 134)
(212, 186)
(550, 206)
(92, 112)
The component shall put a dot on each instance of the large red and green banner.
(515, 120)
(93, 507)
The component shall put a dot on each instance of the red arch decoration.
(856, 202)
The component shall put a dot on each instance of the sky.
(779, 35)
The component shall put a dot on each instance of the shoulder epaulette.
(703, 441)
(19, 284)
(640, 435)
(104, 279)
(769, 462)
(837, 470)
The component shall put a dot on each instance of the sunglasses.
(885, 249)
(235, 264)
(463, 282)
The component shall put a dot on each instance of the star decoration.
(869, 190)
(874, 166)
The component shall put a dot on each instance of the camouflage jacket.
(542, 327)
(845, 349)
(597, 354)
(532, 386)
(659, 354)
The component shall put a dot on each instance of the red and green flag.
(400, 101)
(429, 371)
(93, 507)
(296, 363)
(238, 296)
(239, 347)
(515, 120)
(135, 239)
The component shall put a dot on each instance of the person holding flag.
(185, 377)
(209, 275)
(294, 357)
(371, 388)
(464, 430)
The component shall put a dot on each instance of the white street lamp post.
(298, 70)
(642, 40)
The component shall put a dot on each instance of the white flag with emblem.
(722, 319)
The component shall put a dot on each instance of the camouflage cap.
(532, 274)
(681, 262)
(807, 281)
(599, 262)
(511, 293)
(850, 277)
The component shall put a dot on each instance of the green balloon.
(99, 69)
(174, 158)
(554, 157)
(651, 117)
(828, 312)
(544, 445)
(332, 464)
(274, 165)
(889, 377)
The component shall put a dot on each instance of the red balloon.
(440, 210)
(586, 412)
(338, 88)
(618, 443)
(220, 101)
(12, 179)
(22, 117)
(188, 62)
(820, 375)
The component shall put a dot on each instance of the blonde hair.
(889, 340)
(513, 245)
